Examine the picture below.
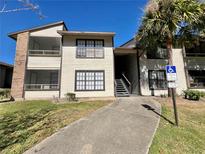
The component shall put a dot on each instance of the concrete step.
(121, 89)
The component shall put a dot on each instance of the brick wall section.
(20, 65)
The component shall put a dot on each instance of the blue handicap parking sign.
(170, 69)
(171, 73)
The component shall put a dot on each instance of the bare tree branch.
(27, 5)
(15, 10)
(4, 6)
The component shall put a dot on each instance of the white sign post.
(171, 74)
(171, 84)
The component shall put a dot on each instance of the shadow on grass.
(4, 101)
(148, 107)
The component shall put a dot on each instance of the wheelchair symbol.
(170, 69)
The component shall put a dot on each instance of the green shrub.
(4, 93)
(202, 94)
(192, 94)
(185, 94)
(70, 96)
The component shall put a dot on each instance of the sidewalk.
(125, 127)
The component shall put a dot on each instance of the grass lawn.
(189, 137)
(24, 124)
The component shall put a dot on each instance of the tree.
(166, 20)
(26, 5)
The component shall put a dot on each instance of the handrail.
(41, 86)
(126, 78)
(44, 52)
(129, 83)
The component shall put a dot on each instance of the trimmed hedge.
(193, 94)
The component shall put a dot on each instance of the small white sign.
(171, 76)
(172, 84)
(171, 73)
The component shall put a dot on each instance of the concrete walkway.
(125, 127)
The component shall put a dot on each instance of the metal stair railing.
(128, 83)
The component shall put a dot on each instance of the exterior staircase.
(121, 89)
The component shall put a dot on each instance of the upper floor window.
(158, 53)
(44, 46)
(90, 48)
(195, 49)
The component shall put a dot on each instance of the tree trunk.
(172, 91)
(170, 59)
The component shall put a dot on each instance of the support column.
(17, 88)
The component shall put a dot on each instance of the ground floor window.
(197, 78)
(89, 81)
(157, 79)
(42, 80)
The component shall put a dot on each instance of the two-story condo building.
(52, 61)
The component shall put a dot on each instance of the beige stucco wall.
(70, 63)
(49, 32)
(43, 62)
(178, 61)
(41, 94)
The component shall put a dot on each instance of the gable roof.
(129, 44)
(6, 64)
(14, 34)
